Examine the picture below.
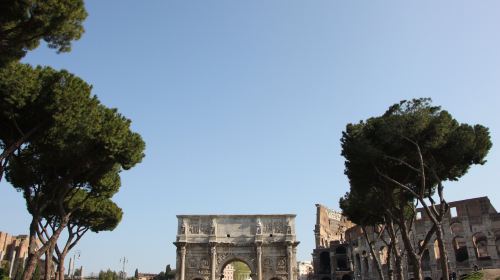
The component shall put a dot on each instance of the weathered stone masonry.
(472, 238)
(207, 243)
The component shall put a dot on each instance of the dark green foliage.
(108, 275)
(80, 141)
(169, 274)
(365, 209)
(403, 157)
(94, 213)
(38, 104)
(136, 274)
(4, 274)
(24, 23)
(387, 146)
(75, 155)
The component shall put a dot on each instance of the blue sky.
(242, 103)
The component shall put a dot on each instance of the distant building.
(330, 230)
(228, 273)
(305, 270)
(146, 276)
(330, 226)
(13, 251)
(472, 238)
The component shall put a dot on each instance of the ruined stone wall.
(472, 237)
(330, 226)
(13, 250)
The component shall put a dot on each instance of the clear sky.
(242, 103)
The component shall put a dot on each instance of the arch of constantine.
(207, 243)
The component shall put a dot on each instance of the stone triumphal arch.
(207, 243)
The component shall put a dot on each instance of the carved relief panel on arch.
(276, 226)
(197, 226)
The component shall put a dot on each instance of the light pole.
(123, 261)
(71, 272)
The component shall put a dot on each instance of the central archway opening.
(236, 270)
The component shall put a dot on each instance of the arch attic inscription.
(207, 243)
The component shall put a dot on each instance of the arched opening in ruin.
(341, 258)
(341, 250)
(481, 245)
(382, 253)
(437, 254)
(358, 264)
(426, 261)
(497, 244)
(342, 263)
(346, 277)
(366, 267)
(236, 270)
(324, 263)
(460, 248)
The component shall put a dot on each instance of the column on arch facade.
(182, 251)
(259, 261)
(289, 253)
(213, 263)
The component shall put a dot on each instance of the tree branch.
(422, 201)
(421, 247)
(403, 163)
(7, 152)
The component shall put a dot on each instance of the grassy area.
(473, 276)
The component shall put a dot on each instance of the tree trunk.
(398, 264)
(48, 263)
(61, 255)
(60, 266)
(412, 255)
(390, 272)
(397, 255)
(442, 251)
(374, 256)
(35, 253)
